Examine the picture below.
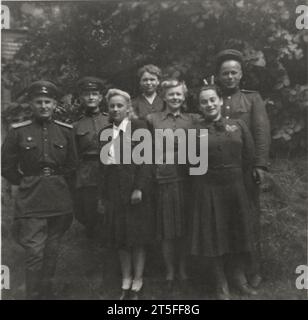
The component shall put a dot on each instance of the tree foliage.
(111, 39)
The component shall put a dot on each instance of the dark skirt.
(221, 214)
(127, 225)
(171, 210)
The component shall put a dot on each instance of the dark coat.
(127, 224)
(28, 148)
(142, 107)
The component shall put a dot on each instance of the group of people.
(216, 215)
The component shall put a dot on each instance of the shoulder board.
(104, 113)
(63, 124)
(248, 91)
(21, 124)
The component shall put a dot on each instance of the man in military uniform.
(86, 133)
(39, 156)
(248, 106)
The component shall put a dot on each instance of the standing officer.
(39, 156)
(248, 106)
(86, 132)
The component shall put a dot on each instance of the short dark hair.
(150, 68)
(211, 87)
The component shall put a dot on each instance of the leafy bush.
(112, 39)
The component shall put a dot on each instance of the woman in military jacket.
(220, 228)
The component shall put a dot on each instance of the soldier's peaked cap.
(43, 88)
(228, 54)
(90, 83)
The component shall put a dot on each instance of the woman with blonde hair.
(125, 190)
(170, 184)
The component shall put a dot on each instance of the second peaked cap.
(90, 83)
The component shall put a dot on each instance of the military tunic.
(29, 148)
(142, 106)
(249, 106)
(86, 194)
(221, 213)
(40, 157)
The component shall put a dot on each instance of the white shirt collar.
(122, 126)
(151, 98)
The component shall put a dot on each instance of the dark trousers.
(40, 237)
(85, 206)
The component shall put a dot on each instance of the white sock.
(137, 285)
(126, 284)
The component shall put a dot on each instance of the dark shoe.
(245, 289)
(124, 295)
(135, 295)
(184, 286)
(255, 281)
(169, 288)
(33, 283)
(170, 285)
(46, 291)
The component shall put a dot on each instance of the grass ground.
(88, 270)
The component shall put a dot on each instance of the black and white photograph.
(154, 150)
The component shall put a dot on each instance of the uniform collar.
(42, 122)
(230, 92)
(89, 113)
(167, 113)
(219, 124)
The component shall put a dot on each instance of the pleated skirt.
(170, 211)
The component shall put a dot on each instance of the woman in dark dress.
(221, 221)
(171, 185)
(148, 101)
(125, 193)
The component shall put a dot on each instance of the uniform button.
(45, 154)
(229, 97)
(228, 107)
(45, 139)
(227, 117)
(44, 128)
